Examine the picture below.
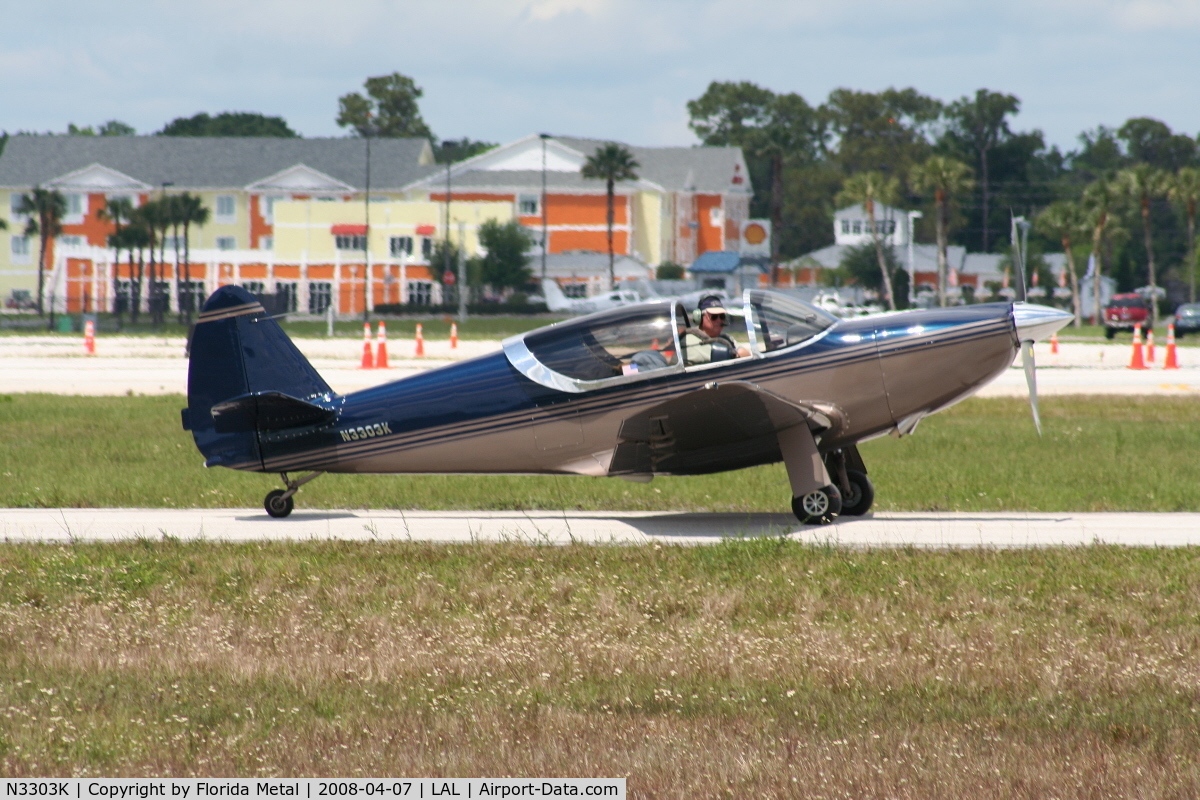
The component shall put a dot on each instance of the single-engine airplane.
(557, 301)
(609, 394)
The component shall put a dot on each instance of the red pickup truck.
(1124, 311)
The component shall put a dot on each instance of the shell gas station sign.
(756, 237)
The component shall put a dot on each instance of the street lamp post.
(545, 237)
(367, 130)
(912, 270)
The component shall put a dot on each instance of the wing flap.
(719, 426)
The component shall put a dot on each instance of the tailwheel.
(860, 495)
(818, 507)
(279, 503)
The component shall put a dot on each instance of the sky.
(496, 70)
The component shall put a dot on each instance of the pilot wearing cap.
(708, 342)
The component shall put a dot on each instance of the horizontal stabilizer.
(267, 411)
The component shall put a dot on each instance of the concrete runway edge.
(885, 529)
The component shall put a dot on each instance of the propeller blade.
(1031, 381)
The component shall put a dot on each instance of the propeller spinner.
(1035, 323)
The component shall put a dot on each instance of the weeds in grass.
(749, 668)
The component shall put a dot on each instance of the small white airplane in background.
(557, 301)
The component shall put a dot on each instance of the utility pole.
(912, 270)
(545, 237)
(462, 272)
(367, 216)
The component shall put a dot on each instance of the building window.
(287, 296)
(227, 243)
(254, 287)
(400, 246)
(575, 290)
(845, 226)
(320, 297)
(268, 209)
(76, 207)
(160, 297)
(124, 292)
(426, 248)
(528, 205)
(20, 250)
(858, 226)
(420, 293)
(351, 242)
(14, 204)
(70, 241)
(226, 208)
(266, 243)
(191, 295)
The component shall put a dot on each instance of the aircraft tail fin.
(245, 376)
(555, 299)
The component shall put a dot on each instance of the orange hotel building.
(685, 201)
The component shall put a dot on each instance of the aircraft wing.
(723, 425)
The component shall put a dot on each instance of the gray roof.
(524, 179)
(211, 162)
(701, 169)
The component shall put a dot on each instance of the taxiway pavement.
(884, 529)
(145, 365)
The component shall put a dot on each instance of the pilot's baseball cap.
(710, 305)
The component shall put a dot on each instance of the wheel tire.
(1110, 333)
(819, 507)
(861, 496)
(277, 505)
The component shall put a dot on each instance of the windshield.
(623, 341)
(777, 321)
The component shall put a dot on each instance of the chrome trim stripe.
(232, 311)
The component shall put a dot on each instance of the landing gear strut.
(849, 474)
(279, 503)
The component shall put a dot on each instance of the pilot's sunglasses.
(718, 317)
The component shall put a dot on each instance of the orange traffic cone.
(1137, 362)
(420, 342)
(381, 347)
(1172, 361)
(89, 338)
(453, 335)
(368, 360)
(1150, 346)
(1054, 344)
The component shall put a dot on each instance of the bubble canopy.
(637, 342)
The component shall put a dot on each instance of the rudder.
(240, 354)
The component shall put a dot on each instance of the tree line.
(1124, 201)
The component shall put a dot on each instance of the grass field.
(750, 668)
(1097, 454)
(760, 668)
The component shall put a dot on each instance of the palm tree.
(1097, 203)
(1185, 190)
(45, 209)
(192, 211)
(611, 163)
(136, 237)
(1065, 221)
(868, 188)
(946, 178)
(118, 211)
(1143, 183)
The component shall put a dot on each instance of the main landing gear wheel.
(861, 495)
(278, 503)
(818, 507)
